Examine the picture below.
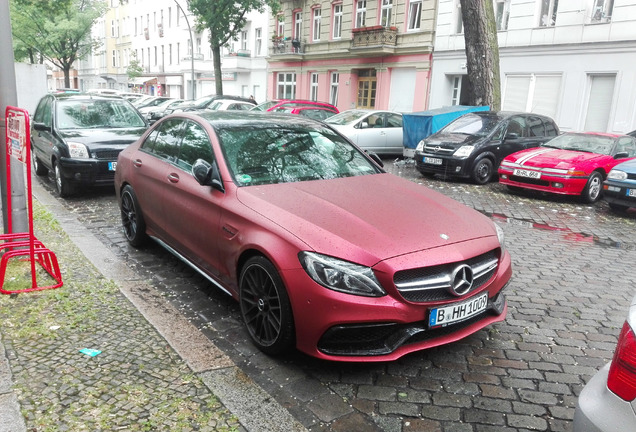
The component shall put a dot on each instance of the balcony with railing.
(286, 47)
(376, 38)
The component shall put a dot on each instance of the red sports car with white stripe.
(570, 164)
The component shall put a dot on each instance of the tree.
(134, 69)
(224, 19)
(482, 53)
(57, 30)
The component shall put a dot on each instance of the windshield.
(471, 124)
(582, 142)
(93, 114)
(265, 155)
(345, 117)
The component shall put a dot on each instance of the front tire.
(132, 219)
(482, 171)
(38, 167)
(62, 186)
(592, 191)
(265, 307)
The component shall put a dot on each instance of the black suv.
(473, 145)
(78, 136)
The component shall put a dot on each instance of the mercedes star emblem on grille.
(461, 280)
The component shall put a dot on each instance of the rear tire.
(265, 307)
(39, 169)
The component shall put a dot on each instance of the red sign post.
(23, 245)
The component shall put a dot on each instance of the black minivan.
(473, 145)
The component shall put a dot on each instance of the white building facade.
(158, 34)
(571, 60)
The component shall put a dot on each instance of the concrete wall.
(31, 85)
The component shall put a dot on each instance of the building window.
(155, 50)
(548, 13)
(536, 93)
(136, 28)
(313, 90)
(602, 11)
(337, 21)
(114, 58)
(316, 27)
(286, 85)
(258, 41)
(361, 13)
(457, 90)
(333, 90)
(178, 52)
(459, 21)
(385, 15)
(169, 17)
(199, 46)
(113, 28)
(170, 54)
(298, 25)
(280, 27)
(502, 13)
(244, 40)
(415, 14)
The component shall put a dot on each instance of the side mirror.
(375, 158)
(207, 174)
(621, 155)
(364, 125)
(40, 126)
(512, 136)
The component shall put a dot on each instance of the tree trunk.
(67, 76)
(218, 81)
(482, 53)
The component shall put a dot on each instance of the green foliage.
(58, 30)
(134, 67)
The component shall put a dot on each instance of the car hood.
(368, 218)
(122, 136)
(452, 140)
(555, 158)
(629, 166)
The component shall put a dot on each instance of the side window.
(195, 145)
(551, 128)
(149, 144)
(627, 145)
(43, 112)
(516, 125)
(166, 143)
(394, 120)
(535, 127)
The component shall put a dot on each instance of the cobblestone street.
(568, 298)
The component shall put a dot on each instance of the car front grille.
(528, 180)
(107, 154)
(429, 284)
(436, 149)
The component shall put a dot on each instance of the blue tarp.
(419, 125)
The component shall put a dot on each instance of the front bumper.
(88, 171)
(336, 326)
(450, 166)
(619, 193)
(557, 184)
(600, 410)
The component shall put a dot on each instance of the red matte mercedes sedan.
(570, 164)
(322, 249)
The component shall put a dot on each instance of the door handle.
(137, 163)
(173, 178)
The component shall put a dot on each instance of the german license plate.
(631, 192)
(112, 166)
(446, 315)
(526, 173)
(432, 160)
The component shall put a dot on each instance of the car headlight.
(501, 237)
(420, 146)
(342, 276)
(464, 151)
(617, 175)
(77, 150)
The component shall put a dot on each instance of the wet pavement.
(568, 298)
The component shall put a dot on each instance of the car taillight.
(622, 374)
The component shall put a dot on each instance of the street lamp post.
(191, 46)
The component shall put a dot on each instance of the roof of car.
(84, 96)
(249, 118)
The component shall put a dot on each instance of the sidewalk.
(155, 371)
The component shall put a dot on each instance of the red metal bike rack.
(23, 245)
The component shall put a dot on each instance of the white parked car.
(154, 113)
(230, 104)
(377, 131)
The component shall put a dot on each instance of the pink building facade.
(373, 54)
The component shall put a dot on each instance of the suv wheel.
(62, 186)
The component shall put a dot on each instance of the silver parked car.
(376, 131)
(608, 401)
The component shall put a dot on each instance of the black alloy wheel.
(132, 219)
(592, 191)
(482, 171)
(265, 307)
